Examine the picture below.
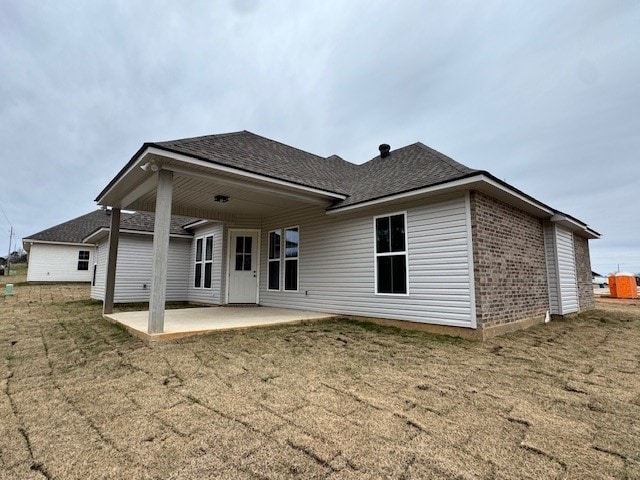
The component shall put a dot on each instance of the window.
(243, 253)
(198, 270)
(83, 260)
(208, 261)
(292, 243)
(203, 271)
(275, 238)
(391, 254)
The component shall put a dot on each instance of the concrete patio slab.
(185, 322)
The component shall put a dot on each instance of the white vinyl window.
(291, 255)
(203, 271)
(391, 254)
(275, 242)
(83, 259)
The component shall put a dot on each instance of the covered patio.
(186, 322)
(185, 178)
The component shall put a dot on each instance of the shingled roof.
(77, 229)
(250, 152)
(405, 169)
(408, 168)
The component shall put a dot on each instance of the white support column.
(110, 283)
(161, 232)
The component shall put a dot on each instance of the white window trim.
(205, 261)
(279, 260)
(196, 262)
(87, 261)
(296, 258)
(389, 254)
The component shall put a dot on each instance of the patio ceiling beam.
(141, 190)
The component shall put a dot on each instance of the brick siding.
(583, 270)
(509, 263)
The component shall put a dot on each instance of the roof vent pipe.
(385, 150)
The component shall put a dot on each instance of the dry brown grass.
(80, 398)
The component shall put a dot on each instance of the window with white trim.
(203, 270)
(273, 274)
(391, 254)
(83, 260)
(291, 254)
(208, 261)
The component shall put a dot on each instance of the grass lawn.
(80, 398)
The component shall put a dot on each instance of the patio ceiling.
(197, 183)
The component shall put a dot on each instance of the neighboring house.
(410, 235)
(59, 254)
(74, 251)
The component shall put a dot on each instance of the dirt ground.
(80, 398)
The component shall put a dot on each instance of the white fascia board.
(464, 182)
(199, 223)
(575, 226)
(235, 171)
(47, 242)
(105, 231)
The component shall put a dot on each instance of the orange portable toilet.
(626, 285)
(613, 292)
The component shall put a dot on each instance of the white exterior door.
(243, 266)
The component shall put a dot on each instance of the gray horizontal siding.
(97, 290)
(567, 270)
(336, 264)
(133, 269)
(552, 270)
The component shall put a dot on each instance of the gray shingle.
(77, 229)
(405, 169)
(408, 168)
(253, 153)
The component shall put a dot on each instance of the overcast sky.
(543, 94)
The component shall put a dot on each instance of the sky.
(545, 94)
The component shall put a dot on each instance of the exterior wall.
(552, 269)
(337, 258)
(566, 271)
(509, 263)
(207, 295)
(133, 269)
(58, 263)
(583, 271)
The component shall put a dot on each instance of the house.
(409, 236)
(74, 251)
(59, 253)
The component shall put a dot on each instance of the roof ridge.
(198, 137)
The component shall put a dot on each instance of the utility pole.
(11, 232)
